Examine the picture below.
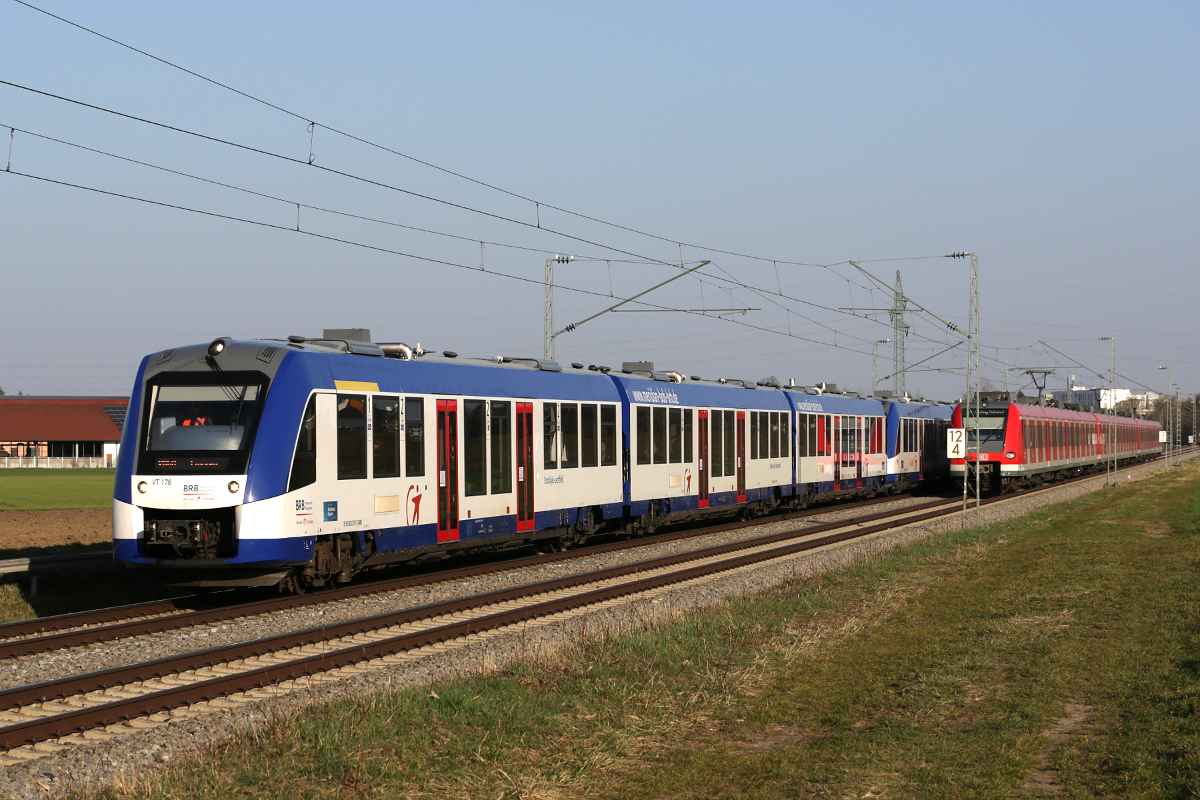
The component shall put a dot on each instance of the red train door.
(741, 456)
(447, 443)
(860, 446)
(703, 476)
(835, 447)
(524, 466)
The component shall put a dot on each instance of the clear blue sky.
(1058, 140)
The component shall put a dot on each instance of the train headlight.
(142, 486)
(1010, 455)
(234, 486)
(217, 347)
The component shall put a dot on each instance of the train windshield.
(205, 424)
(991, 430)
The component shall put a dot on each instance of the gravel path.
(126, 755)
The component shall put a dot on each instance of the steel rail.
(29, 637)
(153, 702)
(166, 699)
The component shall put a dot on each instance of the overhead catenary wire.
(309, 206)
(389, 251)
(727, 278)
(311, 124)
(379, 184)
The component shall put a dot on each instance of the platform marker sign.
(1162, 436)
(956, 443)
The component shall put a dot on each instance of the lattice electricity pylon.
(899, 334)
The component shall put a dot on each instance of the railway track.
(35, 636)
(62, 712)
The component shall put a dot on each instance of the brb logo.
(415, 502)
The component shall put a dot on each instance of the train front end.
(184, 494)
(992, 440)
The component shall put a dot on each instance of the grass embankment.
(1062, 647)
(54, 489)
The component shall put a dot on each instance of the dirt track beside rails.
(22, 529)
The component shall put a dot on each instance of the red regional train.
(1024, 445)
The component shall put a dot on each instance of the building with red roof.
(61, 431)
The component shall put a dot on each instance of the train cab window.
(675, 435)
(643, 435)
(587, 430)
(385, 427)
(501, 446)
(569, 419)
(717, 443)
(474, 447)
(608, 436)
(550, 436)
(687, 436)
(730, 443)
(304, 462)
(414, 436)
(351, 436)
(773, 434)
(753, 434)
(660, 435)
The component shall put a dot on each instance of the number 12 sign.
(956, 443)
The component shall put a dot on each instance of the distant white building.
(1093, 397)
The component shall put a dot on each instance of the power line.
(729, 278)
(331, 171)
(294, 203)
(389, 251)
(313, 124)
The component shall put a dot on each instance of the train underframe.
(992, 481)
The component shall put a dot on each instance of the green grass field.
(52, 489)
(1056, 654)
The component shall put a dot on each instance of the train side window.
(785, 430)
(675, 435)
(802, 444)
(753, 434)
(304, 462)
(773, 434)
(474, 426)
(414, 436)
(687, 436)
(643, 435)
(570, 435)
(587, 424)
(351, 436)
(385, 425)
(812, 434)
(550, 436)
(608, 436)
(717, 444)
(501, 447)
(660, 435)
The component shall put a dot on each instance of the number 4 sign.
(956, 443)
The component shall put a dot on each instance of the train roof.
(921, 410)
(1023, 410)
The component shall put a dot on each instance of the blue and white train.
(303, 462)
